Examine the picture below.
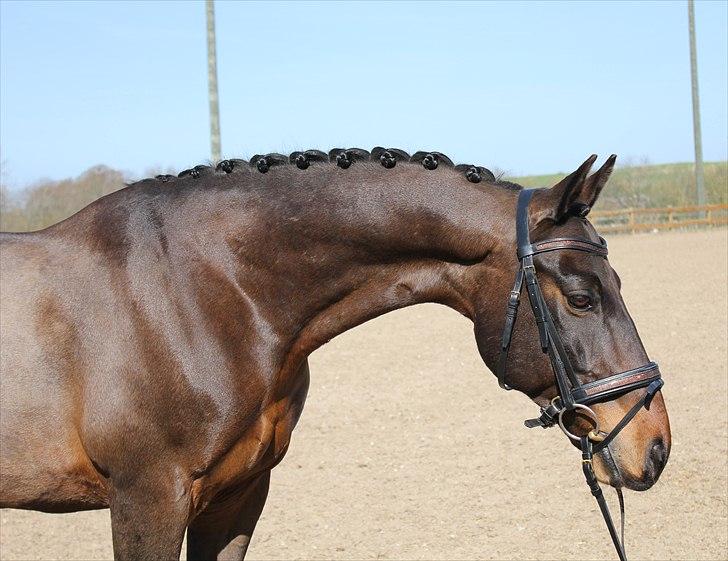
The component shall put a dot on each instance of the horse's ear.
(595, 183)
(576, 194)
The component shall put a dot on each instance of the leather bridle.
(572, 394)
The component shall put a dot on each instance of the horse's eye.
(580, 301)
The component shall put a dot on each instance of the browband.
(553, 244)
(616, 385)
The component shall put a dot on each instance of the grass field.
(651, 185)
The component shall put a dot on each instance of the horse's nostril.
(657, 459)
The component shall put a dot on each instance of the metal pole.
(212, 83)
(699, 176)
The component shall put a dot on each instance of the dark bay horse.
(154, 346)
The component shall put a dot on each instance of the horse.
(154, 345)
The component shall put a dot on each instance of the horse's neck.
(337, 254)
(315, 258)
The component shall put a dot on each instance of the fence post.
(631, 220)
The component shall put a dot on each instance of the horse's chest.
(259, 448)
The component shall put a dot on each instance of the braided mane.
(343, 158)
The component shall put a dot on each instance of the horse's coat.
(153, 346)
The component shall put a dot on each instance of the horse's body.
(153, 346)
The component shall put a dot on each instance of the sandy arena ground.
(407, 448)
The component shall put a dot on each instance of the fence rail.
(666, 218)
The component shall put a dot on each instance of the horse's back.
(39, 385)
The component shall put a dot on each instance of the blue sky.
(521, 87)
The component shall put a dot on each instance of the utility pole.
(699, 176)
(212, 83)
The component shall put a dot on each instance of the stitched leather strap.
(649, 376)
(644, 401)
(522, 235)
(596, 490)
(616, 385)
(553, 244)
(511, 313)
(548, 418)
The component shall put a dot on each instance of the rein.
(572, 394)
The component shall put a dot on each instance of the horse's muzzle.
(655, 462)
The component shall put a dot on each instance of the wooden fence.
(649, 219)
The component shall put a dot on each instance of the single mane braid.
(344, 158)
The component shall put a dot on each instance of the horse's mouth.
(616, 479)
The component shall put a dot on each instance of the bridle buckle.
(596, 436)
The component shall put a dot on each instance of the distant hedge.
(48, 202)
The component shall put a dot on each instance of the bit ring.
(594, 434)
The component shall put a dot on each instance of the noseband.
(572, 394)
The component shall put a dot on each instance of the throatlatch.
(572, 394)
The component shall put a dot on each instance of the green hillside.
(650, 185)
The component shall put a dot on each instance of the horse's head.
(599, 339)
